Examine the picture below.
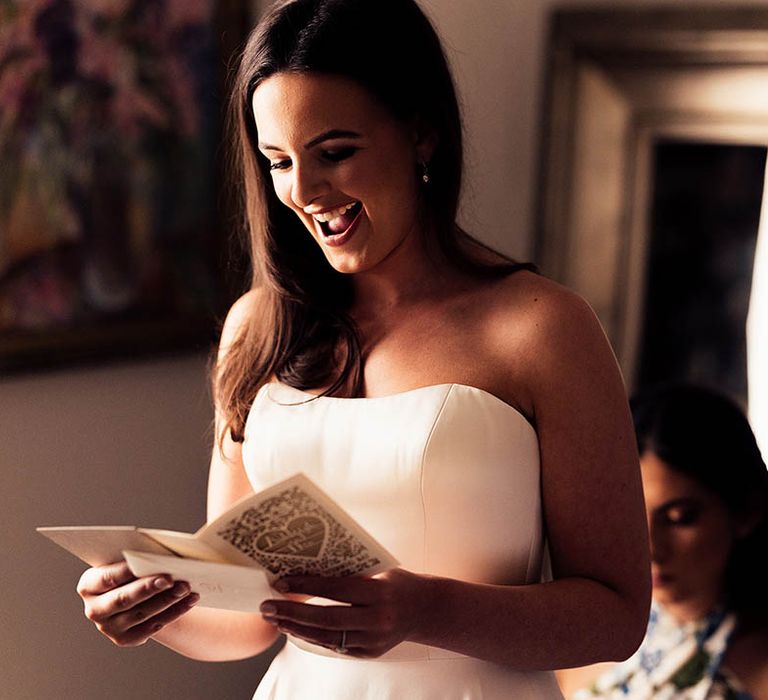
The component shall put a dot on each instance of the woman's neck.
(692, 610)
(410, 274)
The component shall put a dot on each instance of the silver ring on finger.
(342, 647)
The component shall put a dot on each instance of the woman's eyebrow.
(325, 136)
(332, 134)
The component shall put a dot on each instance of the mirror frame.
(598, 137)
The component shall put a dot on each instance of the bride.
(463, 408)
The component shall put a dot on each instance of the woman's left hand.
(375, 613)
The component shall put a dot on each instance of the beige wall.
(121, 444)
(129, 443)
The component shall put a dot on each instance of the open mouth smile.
(338, 225)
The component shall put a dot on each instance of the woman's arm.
(220, 635)
(130, 611)
(223, 635)
(596, 608)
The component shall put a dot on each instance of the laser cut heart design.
(302, 537)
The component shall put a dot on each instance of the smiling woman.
(456, 404)
(343, 165)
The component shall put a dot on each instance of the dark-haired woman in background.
(451, 400)
(706, 490)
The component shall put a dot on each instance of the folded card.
(290, 528)
(227, 586)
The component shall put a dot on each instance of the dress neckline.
(310, 397)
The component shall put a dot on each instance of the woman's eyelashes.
(681, 514)
(336, 155)
(339, 154)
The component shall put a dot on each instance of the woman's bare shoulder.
(244, 308)
(544, 314)
(240, 314)
(537, 332)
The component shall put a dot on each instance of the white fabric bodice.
(447, 478)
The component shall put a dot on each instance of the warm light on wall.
(757, 334)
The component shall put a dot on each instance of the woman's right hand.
(127, 610)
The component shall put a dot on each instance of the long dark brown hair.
(302, 333)
(706, 436)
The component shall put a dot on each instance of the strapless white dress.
(446, 477)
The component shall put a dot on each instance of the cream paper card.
(290, 528)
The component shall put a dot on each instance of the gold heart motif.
(303, 537)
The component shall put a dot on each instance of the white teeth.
(329, 215)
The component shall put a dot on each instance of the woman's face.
(342, 163)
(692, 533)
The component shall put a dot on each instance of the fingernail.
(193, 599)
(181, 589)
(162, 583)
(282, 586)
(268, 609)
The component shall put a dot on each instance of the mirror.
(653, 161)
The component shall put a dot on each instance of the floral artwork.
(108, 134)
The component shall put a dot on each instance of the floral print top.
(676, 661)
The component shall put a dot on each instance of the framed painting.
(112, 241)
